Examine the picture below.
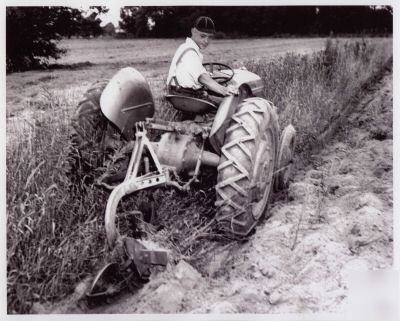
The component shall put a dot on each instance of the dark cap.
(204, 24)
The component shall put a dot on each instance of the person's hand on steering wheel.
(221, 73)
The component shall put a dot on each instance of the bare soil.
(334, 221)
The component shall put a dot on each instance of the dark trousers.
(199, 93)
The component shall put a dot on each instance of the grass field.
(56, 238)
(92, 59)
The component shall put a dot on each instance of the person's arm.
(206, 80)
(191, 63)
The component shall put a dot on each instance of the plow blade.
(135, 270)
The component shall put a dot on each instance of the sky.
(111, 16)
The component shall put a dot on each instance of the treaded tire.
(285, 157)
(245, 170)
(89, 127)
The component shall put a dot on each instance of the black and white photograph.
(199, 161)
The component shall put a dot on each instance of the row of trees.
(258, 21)
(32, 33)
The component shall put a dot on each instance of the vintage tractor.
(238, 135)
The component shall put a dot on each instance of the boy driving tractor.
(187, 75)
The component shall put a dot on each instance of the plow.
(237, 136)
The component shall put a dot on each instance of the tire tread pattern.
(234, 213)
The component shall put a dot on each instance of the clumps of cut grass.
(55, 231)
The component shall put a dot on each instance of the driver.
(187, 74)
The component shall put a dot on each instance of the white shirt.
(186, 66)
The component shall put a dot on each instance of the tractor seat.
(191, 104)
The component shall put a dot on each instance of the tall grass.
(53, 234)
(55, 231)
(312, 91)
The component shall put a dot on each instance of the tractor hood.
(126, 100)
(251, 80)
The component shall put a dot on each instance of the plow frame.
(162, 176)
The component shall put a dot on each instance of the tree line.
(33, 33)
(256, 21)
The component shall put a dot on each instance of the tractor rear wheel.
(89, 127)
(245, 170)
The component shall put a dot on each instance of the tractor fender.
(242, 78)
(126, 100)
(221, 121)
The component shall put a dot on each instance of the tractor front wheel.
(285, 158)
(245, 171)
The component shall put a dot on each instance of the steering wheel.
(219, 72)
